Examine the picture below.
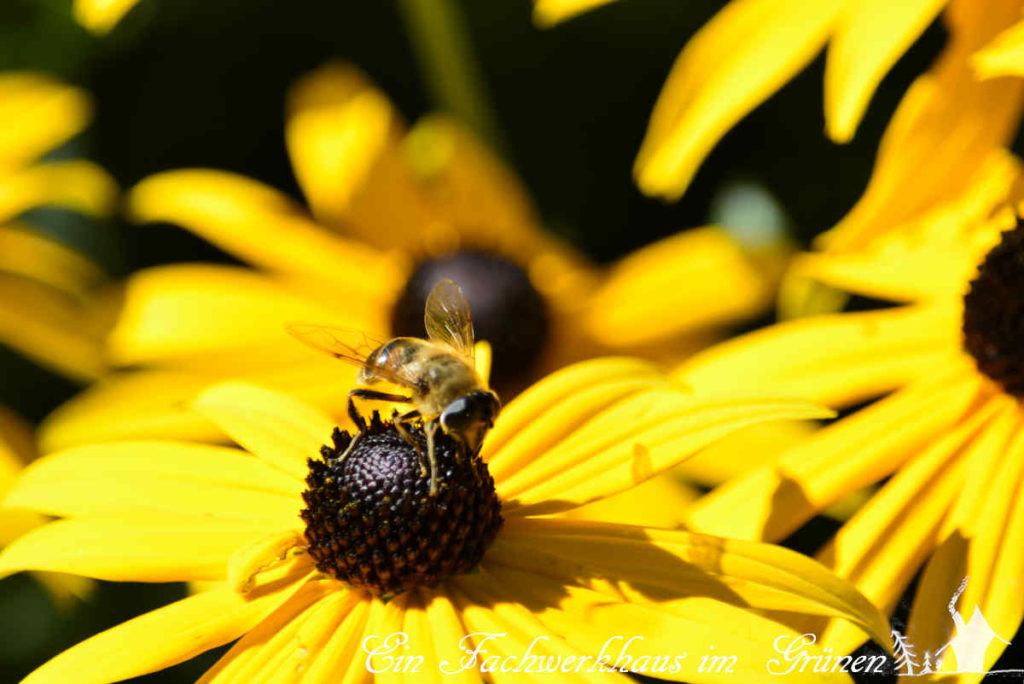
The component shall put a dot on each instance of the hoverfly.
(444, 387)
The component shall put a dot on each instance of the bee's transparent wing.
(352, 346)
(447, 318)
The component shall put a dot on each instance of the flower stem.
(440, 39)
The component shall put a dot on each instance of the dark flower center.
(994, 313)
(507, 311)
(371, 522)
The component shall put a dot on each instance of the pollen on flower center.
(507, 310)
(371, 522)
(993, 323)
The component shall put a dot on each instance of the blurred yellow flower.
(301, 605)
(100, 16)
(948, 436)
(752, 47)
(48, 308)
(393, 211)
(18, 448)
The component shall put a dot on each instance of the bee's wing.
(447, 318)
(352, 346)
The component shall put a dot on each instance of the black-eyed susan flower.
(947, 435)
(48, 292)
(752, 47)
(320, 561)
(392, 212)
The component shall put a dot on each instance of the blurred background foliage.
(184, 83)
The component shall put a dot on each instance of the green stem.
(440, 38)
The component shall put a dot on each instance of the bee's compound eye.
(507, 311)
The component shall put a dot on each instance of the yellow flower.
(47, 291)
(752, 47)
(948, 436)
(100, 16)
(302, 592)
(393, 211)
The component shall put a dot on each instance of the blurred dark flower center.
(993, 324)
(371, 522)
(507, 310)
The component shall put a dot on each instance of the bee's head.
(469, 418)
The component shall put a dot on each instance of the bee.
(439, 373)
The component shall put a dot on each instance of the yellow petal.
(487, 613)
(836, 359)
(735, 62)
(25, 253)
(155, 404)
(1003, 56)
(554, 407)
(447, 633)
(99, 16)
(247, 561)
(39, 113)
(870, 35)
(587, 620)
(172, 312)
(658, 502)
(162, 637)
(174, 478)
(696, 279)
(385, 619)
(77, 185)
(657, 566)
(632, 441)
(136, 548)
(281, 430)
(744, 450)
(283, 644)
(547, 13)
(882, 547)
(980, 518)
(262, 226)
(947, 120)
(772, 501)
(485, 204)
(341, 660)
(344, 139)
(50, 328)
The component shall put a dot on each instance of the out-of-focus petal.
(39, 113)
(170, 313)
(99, 16)
(344, 137)
(28, 254)
(1004, 56)
(695, 279)
(49, 327)
(735, 62)
(264, 227)
(947, 120)
(870, 35)
(78, 185)
(547, 13)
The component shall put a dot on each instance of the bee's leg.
(400, 425)
(359, 421)
(430, 428)
(465, 454)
